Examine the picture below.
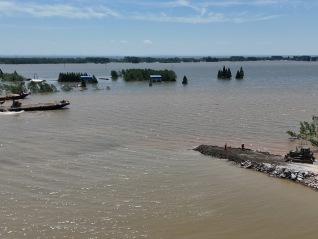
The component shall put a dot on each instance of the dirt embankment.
(264, 162)
(238, 155)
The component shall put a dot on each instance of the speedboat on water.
(11, 112)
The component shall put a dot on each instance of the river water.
(118, 163)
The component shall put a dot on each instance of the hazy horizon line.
(155, 56)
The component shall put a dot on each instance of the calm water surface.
(118, 163)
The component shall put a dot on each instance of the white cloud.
(55, 10)
(200, 12)
(210, 18)
(261, 17)
(179, 11)
(147, 42)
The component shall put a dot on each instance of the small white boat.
(37, 80)
(11, 112)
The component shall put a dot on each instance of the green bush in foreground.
(14, 88)
(308, 131)
(12, 77)
(41, 87)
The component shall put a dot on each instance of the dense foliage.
(210, 59)
(134, 59)
(114, 74)
(41, 87)
(240, 74)
(308, 131)
(17, 85)
(69, 77)
(14, 88)
(75, 77)
(144, 74)
(52, 60)
(225, 73)
(12, 77)
(184, 80)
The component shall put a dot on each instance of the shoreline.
(264, 162)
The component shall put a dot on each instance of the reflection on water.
(118, 163)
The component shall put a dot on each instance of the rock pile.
(273, 165)
(307, 178)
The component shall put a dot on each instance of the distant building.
(87, 77)
(155, 78)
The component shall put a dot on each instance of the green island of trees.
(240, 74)
(144, 74)
(76, 77)
(184, 80)
(225, 73)
(17, 84)
(308, 131)
(114, 74)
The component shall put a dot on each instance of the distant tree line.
(136, 60)
(210, 59)
(144, 74)
(133, 59)
(52, 60)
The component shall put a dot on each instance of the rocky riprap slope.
(273, 165)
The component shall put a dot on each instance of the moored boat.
(17, 106)
(11, 112)
(36, 80)
(22, 95)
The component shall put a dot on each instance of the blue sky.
(155, 28)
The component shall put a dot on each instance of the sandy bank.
(273, 165)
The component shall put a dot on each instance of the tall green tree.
(184, 80)
(114, 74)
(240, 73)
(308, 131)
(225, 73)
